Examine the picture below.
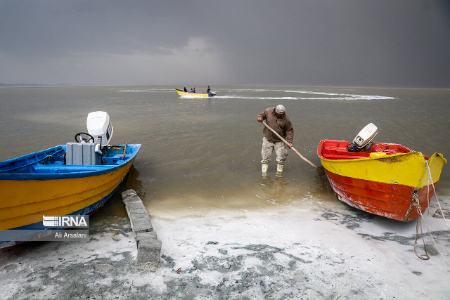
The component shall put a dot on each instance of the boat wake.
(287, 94)
(313, 95)
(344, 98)
(258, 98)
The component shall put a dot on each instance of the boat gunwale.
(387, 156)
(101, 169)
(359, 159)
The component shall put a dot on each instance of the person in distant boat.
(208, 90)
(193, 90)
(277, 119)
(185, 89)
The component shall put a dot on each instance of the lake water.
(201, 153)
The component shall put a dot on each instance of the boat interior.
(53, 160)
(338, 149)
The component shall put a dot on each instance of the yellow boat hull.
(24, 202)
(183, 94)
(404, 168)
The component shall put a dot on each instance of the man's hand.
(289, 145)
(260, 119)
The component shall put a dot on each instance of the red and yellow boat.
(388, 180)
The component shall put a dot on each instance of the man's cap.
(280, 109)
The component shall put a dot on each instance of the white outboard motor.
(87, 149)
(364, 137)
(99, 127)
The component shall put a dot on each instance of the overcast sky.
(320, 42)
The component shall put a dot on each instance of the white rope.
(430, 180)
(436, 245)
(430, 232)
(416, 204)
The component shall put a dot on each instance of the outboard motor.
(364, 138)
(87, 149)
(99, 127)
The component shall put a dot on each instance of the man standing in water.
(277, 119)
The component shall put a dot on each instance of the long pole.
(287, 143)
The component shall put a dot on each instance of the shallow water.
(201, 153)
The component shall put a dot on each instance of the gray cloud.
(347, 42)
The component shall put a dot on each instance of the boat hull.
(24, 202)
(192, 95)
(387, 200)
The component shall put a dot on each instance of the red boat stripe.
(388, 200)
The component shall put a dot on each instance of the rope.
(415, 202)
(430, 180)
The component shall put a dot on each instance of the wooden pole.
(287, 143)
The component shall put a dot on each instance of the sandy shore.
(308, 248)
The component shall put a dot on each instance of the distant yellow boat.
(184, 94)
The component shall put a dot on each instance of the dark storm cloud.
(348, 42)
(61, 27)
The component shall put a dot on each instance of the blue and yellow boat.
(41, 183)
